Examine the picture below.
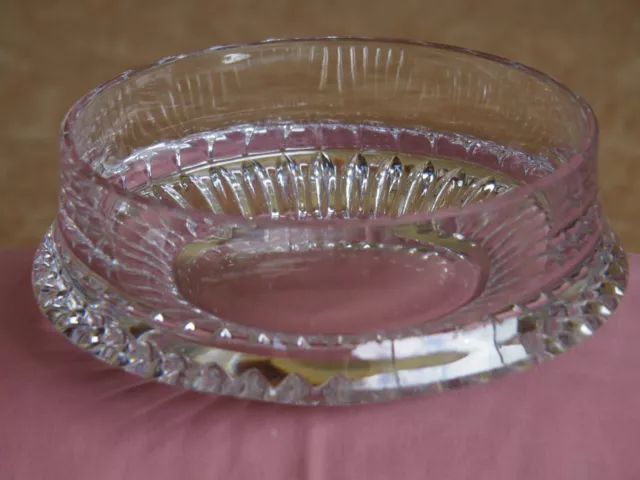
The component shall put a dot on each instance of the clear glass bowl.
(329, 221)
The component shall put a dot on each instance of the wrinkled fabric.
(64, 414)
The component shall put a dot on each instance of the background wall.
(54, 51)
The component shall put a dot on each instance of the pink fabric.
(66, 415)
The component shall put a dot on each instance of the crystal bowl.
(329, 221)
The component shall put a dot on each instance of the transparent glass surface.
(329, 221)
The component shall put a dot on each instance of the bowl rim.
(585, 153)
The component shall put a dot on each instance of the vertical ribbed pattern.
(292, 187)
(323, 186)
(355, 184)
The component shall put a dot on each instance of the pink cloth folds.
(66, 415)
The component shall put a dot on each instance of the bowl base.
(84, 308)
